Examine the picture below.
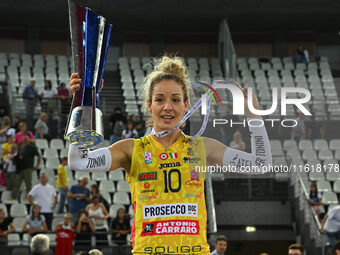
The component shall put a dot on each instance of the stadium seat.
(50, 153)
(289, 145)
(336, 186)
(18, 210)
(293, 154)
(123, 185)
(337, 154)
(52, 163)
(13, 239)
(6, 198)
(325, 154)
(107, 196)
(18, 223)
(329, 198)
(334, 144)
(3, 206)
(56, 220)
(57, 144)
(305, 144)
(52, 237)
(309, 154)
(116, 175)
(80, 175)
(99, 176)
(323, 186)
(121, 197)
(114, 208)
(107, 185)
(23, 198)
(41, 143)
(316, 176)
(320, 144)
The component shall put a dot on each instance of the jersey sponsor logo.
(173, 155)
(154, 196)
(148, 157)
(193, 183)
(191, 160)
(148, 176)
(163, 156)
(192, 250)
(194, 175)
(190, 152)
(166, 165)
(171, 227)
(170, 210)
(240, 162)
(147, 188)
(194, 195)
(96, 162)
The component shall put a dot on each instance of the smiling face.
(167, 105)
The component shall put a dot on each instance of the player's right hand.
(74, 82)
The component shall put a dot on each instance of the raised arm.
(101, 160)
(104, 159)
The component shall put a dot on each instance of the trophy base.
(81, 131)
(84, 138)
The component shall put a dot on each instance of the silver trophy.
(90, 36)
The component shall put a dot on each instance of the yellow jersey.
(63, 172)
(168, 197)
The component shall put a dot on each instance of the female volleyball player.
(166, 191)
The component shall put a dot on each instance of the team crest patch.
(147, 157)
(163, 156)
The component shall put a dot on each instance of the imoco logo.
(238, 99)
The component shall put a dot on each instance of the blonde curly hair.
(166, 68)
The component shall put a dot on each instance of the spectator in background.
(95, 191)
(117, 122)
(299, 131)
(331, 224)
(98, 215)
(65, 236)
(133, 119)
(62, 184)
(301, 56)
(79, 196)
(23, 132)
(120, 227)
(40, 245)
(84, 229)
(65, 96)
(41, 127)
(336, 248)
(238, 143)
(220, 245)
(16, 122)
(129, 131)
(46, 197)
(67, 223)
(95, 252)
(5, 126)
(6, 227)
(315, 131)
(140, 127)
(6, 147)
(46, 95)
(35, 223)
(228, 130)
(31, 98)
(296, 249)
(24, 162)
(315, 198)
(10, 167)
